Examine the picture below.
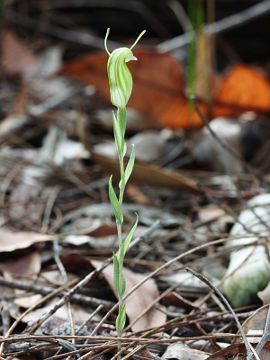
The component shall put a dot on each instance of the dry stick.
(87, 278)
(101, 339)
(20, 318)
(47, 290)
(59, 32)
(63, 274)
(99, 308)
(226, 303)
(180, 14)
(48, 209)
(219, 27)
(85, 38)
(266, 333)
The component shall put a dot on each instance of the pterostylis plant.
(121, 83)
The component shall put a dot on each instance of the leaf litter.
(57, 231)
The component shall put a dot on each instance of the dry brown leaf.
(25, 266)
(183, 352)
(137, 302)
(11, 240)
(16, 58)
(243, 88)
(27, 301)
(150, 174)
(255, 324)
(172, 298)
(232, 351)
(137, 195)
(79, 313)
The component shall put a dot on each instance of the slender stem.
(121, 118)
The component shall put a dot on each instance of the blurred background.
(163, 19)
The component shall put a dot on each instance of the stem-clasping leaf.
(130, 164)
(121, 319)
(115, 203)
(125, 244)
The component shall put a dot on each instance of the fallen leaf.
(16, 57)
(27, 301)
(25, 266)
(79, 313)
(101, 236)
(53, 277)
(210, 213)
(255, 324)
(150, 174)
(179, 301)
(137, 195)
(138, 301)
(238, 351)
(243, 88)
(11, 240)
(183, 352)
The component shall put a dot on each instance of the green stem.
(122, 119)
(120, 298)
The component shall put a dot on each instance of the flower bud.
(120, 78)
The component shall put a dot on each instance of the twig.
(225, 301)
(49, 207)
(180, 14)
(46, 290)
(57, 31)
(266, 333)
(219, 27)
(30, 309)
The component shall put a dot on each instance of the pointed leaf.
(130, 164)
(129, 237)
(116, 273)
(121, 319)
(115, 203)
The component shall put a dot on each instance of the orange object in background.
(242, 88)
(159, 88)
